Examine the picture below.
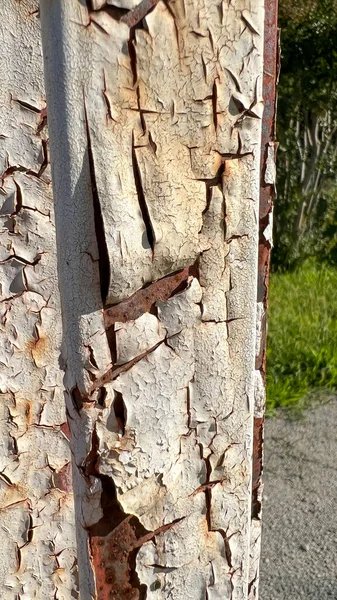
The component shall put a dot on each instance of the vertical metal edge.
(267, 195)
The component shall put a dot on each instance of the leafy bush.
(302, 334)
(306, 207)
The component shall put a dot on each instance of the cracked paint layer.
(155, 125)
(38, 556)
(267, 194)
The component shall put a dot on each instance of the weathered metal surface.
(267, 193)
(155, 129)
(37, 529)
(144, 300)
(155, 113)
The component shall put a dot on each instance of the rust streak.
(142, 301)
(114, 372)
(63, 479)
(205, 486)
(65, 430)
(257, 465)
(134, 16)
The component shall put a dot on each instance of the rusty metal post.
(267, 194)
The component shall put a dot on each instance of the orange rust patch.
(63, 479)
(65, 430)
(257, 464)
(111, 558)
(114, 543)
(142, 301)
(115, 540)
(28, 411)
(14, 494)
(38, 348)
(114, 551)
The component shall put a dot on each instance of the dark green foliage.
(309, 53)
(306, 207)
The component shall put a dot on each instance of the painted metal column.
(267, 194)
(38, 553)
(158, 115)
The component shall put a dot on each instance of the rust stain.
(28, 412)
(257, 465)
(14, 494)
(263, 268)
(138, 13)
(65, 430)
(23, 410)
(114, 372)
(267, 191)
(114, 549)
(270, 74)
(111, 554)
(206, 486)
(42, 120)
(142, 301)
(38, 348)
(63, 479)
(113, 541)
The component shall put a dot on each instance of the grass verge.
(302, 337)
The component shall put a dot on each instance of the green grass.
(302, 336)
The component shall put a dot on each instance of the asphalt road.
(299, 534)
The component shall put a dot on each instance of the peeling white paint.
(260, 395)
(98, 4)
(270, 171)
(260, 316)
(161, 140)
(38, 555)
(136, 337)
(268, 231)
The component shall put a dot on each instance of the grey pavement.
(299, 533)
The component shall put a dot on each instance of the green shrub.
(306, 206)
(302, 334)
